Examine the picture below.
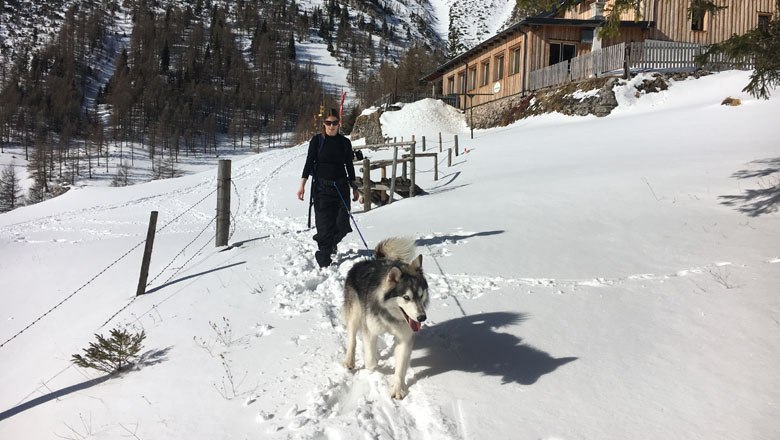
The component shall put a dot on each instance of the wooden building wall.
(538, 40)
(510, 84)
(671, 23)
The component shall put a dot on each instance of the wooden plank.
(366, 183)
(392, 179)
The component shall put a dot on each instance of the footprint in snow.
(262, 330)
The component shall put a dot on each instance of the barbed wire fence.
(136, 246)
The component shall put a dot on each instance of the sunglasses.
(331, 123)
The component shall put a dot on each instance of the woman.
(330, 163)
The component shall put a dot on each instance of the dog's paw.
(398, 392)
(349, 365)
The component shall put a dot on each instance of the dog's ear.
(416, 264)
(394, 276)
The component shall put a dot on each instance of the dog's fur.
(387, 294)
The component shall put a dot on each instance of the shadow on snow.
(764, 200)
(151, 357)
(475, 344)
(453, 238)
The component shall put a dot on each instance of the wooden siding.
(510, 84)
(583, 11)
(672, 22)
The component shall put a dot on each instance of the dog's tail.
(396, 248)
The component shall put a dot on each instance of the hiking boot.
(323, 260)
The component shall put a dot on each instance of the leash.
(344, 202)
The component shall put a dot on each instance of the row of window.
(559, 52)
(515, 59)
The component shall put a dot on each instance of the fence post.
(223, 202)
(367, 185)
(449, 157)
(457, 151)
(392, 178)
(423, 144)
(147, 254)
(627, 62)
(439, 142)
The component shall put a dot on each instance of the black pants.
(331, 216)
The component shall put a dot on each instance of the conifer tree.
(761, 47)
(112, 354)
(10, 189)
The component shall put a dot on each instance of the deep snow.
(588, 280)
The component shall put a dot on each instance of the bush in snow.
(113, 354)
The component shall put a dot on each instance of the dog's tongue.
(414, 325)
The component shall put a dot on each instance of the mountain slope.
(590, 278)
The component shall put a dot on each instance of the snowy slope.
(587, 281)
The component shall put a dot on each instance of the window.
(451, 85)
(515, 60)
(485, 73)
(462, 82)
(586, 35)
(499, 67)
(763, 21)
(472, 78)
(560, 52)
(697, 22)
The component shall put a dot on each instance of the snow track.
(352, 404)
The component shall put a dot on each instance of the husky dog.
(386, 295)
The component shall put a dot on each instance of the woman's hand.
(301, 189)
(355, 195)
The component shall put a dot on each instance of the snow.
(329, 71)
(588, 280)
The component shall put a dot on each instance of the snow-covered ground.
(588, 280)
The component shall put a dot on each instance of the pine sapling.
(111, 355)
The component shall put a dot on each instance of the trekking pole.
(311, 201)
(353, 218)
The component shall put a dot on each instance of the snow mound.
(426, 117)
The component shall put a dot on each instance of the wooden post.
(457, 150)
(440, 142)
(392, 178)
(423, 144)
(449, 157)
(367, 185)
(627, 62)
(436, 167)
(412, 169)
(147, 254)
(223, 202)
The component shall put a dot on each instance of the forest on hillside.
(177, 78)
